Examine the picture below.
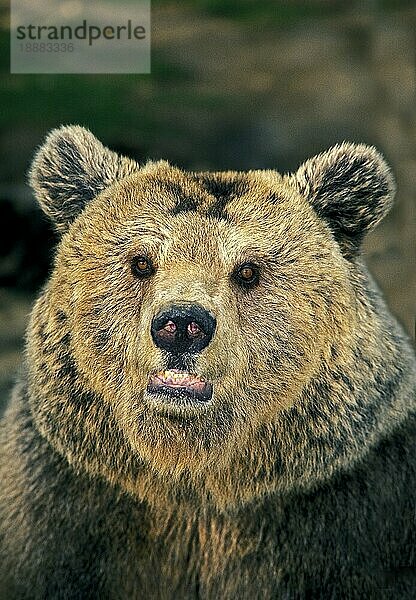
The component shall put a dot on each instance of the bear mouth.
(180, 387)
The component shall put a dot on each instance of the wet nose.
(180, 329)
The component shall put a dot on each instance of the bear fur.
(296, 479)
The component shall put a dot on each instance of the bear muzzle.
(182, 331)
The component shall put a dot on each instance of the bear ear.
(70, 169)
(351, 187)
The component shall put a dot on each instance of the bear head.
(187, 315)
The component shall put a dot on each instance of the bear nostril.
(194, 330)
(180, 329)
(168, 330)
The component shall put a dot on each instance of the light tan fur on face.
(279, 350)
(269, 340)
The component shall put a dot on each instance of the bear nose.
(180, 329)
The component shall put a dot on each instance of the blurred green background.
(235, 84)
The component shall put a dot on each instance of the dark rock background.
(235, 84)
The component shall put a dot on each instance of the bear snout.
(183, 328)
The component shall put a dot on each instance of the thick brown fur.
(298, 479)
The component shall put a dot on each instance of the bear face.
(187, 312)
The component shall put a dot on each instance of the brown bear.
(216, 402)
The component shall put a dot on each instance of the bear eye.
(142, 266)
(247, 275)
